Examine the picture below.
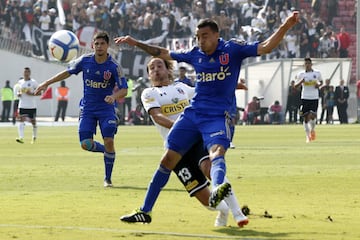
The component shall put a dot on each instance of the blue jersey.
(185, 80)
(217, 74)
(98, 79)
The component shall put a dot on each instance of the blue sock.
(158, 181)
(218, 170)
(109, 159)
(97, 147)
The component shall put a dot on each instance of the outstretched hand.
(42, 87)
(125, 39)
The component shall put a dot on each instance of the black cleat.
(107, 183)
(137, 216)
(218, 194)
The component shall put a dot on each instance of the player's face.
(26, 74)
(308, 66)
(100, 46)
(158, 73)
(207, 39)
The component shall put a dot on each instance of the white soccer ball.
(63, 45)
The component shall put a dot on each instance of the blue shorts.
(193, 125)
(88, 121)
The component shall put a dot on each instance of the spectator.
(45, 21)
(323, 95)
(293, 102)
(304, 45)
(330, 103)
(90, 13)
(219, 5)
(136, 117)
(344, 42)
(291, 45)
(275, 113)
(6, 99)
(271, 19)
(53, 25)
(247, 11)
(252, 111)
(259, 21)
(341, 96)
(62, 93)
(332, 6)
(324, 45)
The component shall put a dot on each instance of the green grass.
(53, 189)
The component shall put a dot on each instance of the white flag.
(61, 12)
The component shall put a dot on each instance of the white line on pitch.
(118, 230)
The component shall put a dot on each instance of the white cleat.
(241, 220)
(221, 218)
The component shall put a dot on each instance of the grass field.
(53, 189)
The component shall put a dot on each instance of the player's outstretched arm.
(56, 78)
(274, 40)
(155, 51)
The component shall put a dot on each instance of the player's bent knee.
(86, 144)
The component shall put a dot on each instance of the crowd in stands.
(249, 20)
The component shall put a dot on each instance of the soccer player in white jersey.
(165, 101)
(27, 104)
(311, 80)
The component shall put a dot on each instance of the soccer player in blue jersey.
(217, 64)
(100, 74)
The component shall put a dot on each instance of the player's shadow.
(250, 234)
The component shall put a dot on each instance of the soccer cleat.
(308, 139)
(20, 140)
(137, 216)
(33, 140)
(219, 193)
(221, 218)
(232, 146)
(107, 183)
(313, 135)
(241, 220)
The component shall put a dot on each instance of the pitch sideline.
(119, 231)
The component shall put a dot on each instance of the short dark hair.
(307, 59)
(207, 22)
(182, 68)
(104, 35)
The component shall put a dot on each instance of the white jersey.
(27, 101)
(171, 100)
(309, 91)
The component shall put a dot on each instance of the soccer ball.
(63, 45)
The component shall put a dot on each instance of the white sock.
(34, 131)
(21, 129)
(221, 207)
(312, 124)
(233, 203)
(307, 129)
